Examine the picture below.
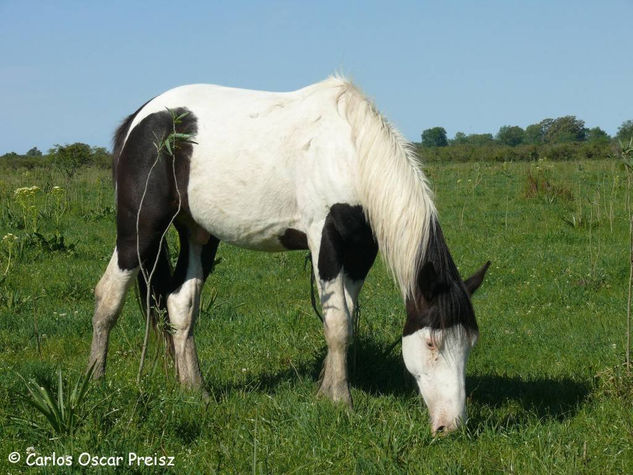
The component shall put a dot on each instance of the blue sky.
(71, 70)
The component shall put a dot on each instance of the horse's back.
(263, 162)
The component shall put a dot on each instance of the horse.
(316, 169)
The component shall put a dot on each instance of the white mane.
(393, 189)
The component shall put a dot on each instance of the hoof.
(338, 394)
(204, 394)
(97, 369)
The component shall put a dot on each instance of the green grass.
(546, 390)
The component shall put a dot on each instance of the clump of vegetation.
(616, 383)
(539, 184)
(64, 413)
(9, 242)
(25, 197)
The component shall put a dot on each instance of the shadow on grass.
(546, 398)
(378, 370)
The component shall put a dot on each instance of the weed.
(538, 184)
(9, 242)
(26, 198)
(61, 204)
(12, 300)
(208, 301)
(103, 212)
(54, 243)
(64, 413)
(615, 382)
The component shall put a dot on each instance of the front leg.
(338, 329)
(328, 255)
(343, 249)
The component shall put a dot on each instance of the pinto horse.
(317, 169)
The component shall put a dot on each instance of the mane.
(393, 190)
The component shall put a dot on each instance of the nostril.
(440, 429)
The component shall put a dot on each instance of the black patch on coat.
(441, 299)
(136, 158)
(160, 285)
(294, 240)
(347, 242)
(207, 256)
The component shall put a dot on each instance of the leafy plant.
(52, 244)
(59, 196)
(25, 197)
(12, 300)
(539, 184)
(9, 240)
(65, 413)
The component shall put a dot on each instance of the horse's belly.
(244, 206)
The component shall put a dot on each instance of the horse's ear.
(428, 281)
(475, 280)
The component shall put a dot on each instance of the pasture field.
(547, 392)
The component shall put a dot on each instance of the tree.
(69, 158)
(565, 129)
(479, 139)
(460, 138)
(101, 157)
(34, 152)
(597, 135)
(625, 132)
(435, 137)
(535, 133)
(511, 135)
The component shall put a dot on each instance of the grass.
(546, 389)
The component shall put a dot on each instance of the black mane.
(441, 300)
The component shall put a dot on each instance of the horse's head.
(437, 338)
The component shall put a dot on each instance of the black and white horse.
(318, 169)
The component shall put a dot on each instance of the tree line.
(564, 129)
(67, 158)
(563, 138)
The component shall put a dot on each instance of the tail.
(159, 287)
(392, 188)
(119, 138)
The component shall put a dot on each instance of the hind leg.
(124, 267)
(183, 303)
(109, 297)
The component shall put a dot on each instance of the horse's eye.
(430, 345)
